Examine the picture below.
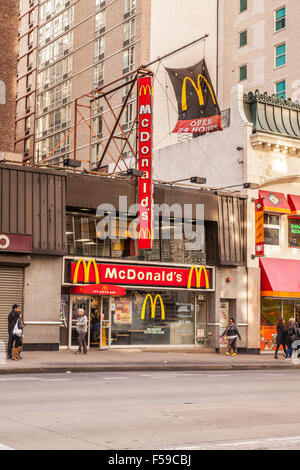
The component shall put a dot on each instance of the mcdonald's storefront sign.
(93, 272)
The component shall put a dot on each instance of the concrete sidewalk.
(139, 360)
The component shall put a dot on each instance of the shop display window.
(294, 232)
(155, 318)
(271, 311)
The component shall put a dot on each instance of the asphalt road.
(158, 410)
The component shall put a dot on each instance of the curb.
(145, 368)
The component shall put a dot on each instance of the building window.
(129, 32)
(26, 145)
(272, 229)
(56, 50)
(243, 5)
(99, 48)
(243, 38)
(99, 21)
(27, 123)
(130, 6)
(128, 59)
(294, 232)
(280, 55)
(57, 26)
(280, 19)
(243, 72)
(28, 102)
(281, 89)
(99, 74)
(54, 74)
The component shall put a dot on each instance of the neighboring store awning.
(280, 277)
(294, 203)
(275, 202)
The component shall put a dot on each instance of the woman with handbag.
(18, 337)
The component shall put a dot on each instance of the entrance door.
(76, 303)
(105, 323)
(201, 321)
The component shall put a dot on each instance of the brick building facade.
(9, 19)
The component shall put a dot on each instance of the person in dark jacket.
(232, 333)
(290, 334)
(280, 339)
(12, 318)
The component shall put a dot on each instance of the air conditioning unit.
(31, 5)
(26, 154)
(67, 4)
(126, 43)
(102, 30)
(27, 132)
(29, 68)
(66, 52)
(27, 111)
(101, 56)
(65, 75)
(31, 26)
(28, 89)
(30, 47)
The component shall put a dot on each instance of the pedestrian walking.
(81, 327)
(11, 321)
(290, 335)
(18, 337)
(280, 339)
(232, 334)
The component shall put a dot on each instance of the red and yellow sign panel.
(89, 272)
(259, 228)
(145, 163)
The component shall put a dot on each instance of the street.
(151, 410)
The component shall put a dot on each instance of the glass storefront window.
(173, 241)
(294, 232)
(271, 311)
(133, 322)
(272, 229)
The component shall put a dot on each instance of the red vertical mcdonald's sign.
(145, 163)
(259, 228)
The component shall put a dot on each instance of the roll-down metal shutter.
(11, 292)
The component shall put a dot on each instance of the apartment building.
(69, 47)
(8, 68)
(258, 47)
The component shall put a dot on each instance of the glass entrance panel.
(76, 303)
(105, 323)
(201, 320)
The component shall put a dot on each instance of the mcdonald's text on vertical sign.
(259, 228)
(145, 163)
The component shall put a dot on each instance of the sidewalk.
(139, 360)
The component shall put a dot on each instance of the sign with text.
(259, 228)
(193, 277)
(11, 242)
(145, 198)
(198, 109)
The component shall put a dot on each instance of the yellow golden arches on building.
(86, 271)
(145, 232)
(153, 306)
(198, 272)
(146, 89)
(198, 89)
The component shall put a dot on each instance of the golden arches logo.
(198, 89)
(146, 89)
(153, 306)
(146, 234)
(198, 272)
(86, 271)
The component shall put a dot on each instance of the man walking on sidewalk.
(231, 333)
(81, 327)
(11, 320)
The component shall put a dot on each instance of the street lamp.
(245, 186)
(133, 172)
(193, 179)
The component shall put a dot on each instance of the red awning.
(99, 289)
(294, 203)
(275, 202)
(280, 277)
